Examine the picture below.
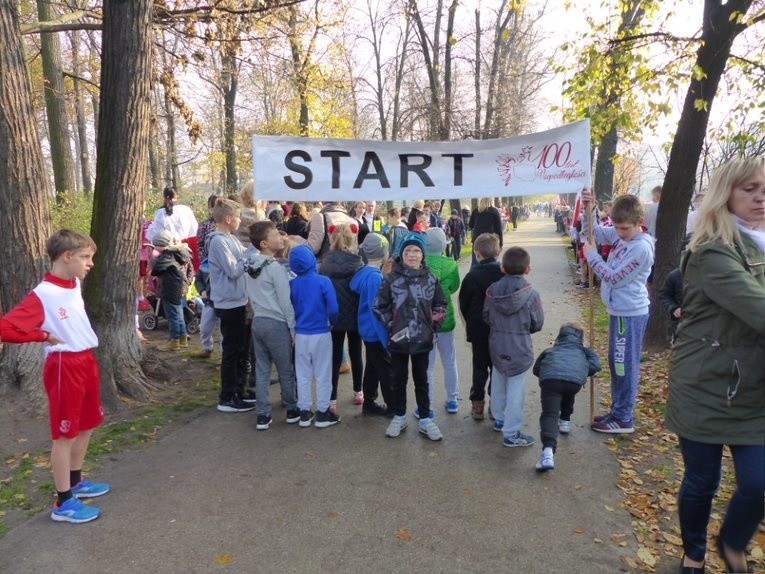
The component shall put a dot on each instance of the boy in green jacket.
(446, 271)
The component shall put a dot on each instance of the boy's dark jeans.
(234, 343)
(354, 353)
(377, 369)
(400, 367)
(481, 370)
(557, 402)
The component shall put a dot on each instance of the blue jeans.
(625, 342)
(175, 321)
(702, 477)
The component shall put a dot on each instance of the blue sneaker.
(518, 439)
(74, 511)
(87, 489)
(452, 407)
(416, 414)
(498, 425)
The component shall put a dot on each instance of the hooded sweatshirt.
(313, 296)
(170, 267)
(568, 360)
(268, 288)
(340, 267)
(513, 311)
(623, 277)
(366, 283)
(446, 271)
(225, 257)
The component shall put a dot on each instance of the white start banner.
(321, 169)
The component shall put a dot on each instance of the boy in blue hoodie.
(366, 282)
(625, 295)
(315, 303)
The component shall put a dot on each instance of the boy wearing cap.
(412, 305)
(366, 283)
(446, 271)
(170, 266)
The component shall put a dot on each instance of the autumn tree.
(121, 182)
(24, 215)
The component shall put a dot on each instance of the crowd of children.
(399, 306)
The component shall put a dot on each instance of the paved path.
(217, 496)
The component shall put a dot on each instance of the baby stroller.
(151, 311)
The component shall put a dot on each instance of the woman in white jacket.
(178, 220)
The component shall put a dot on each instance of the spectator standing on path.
(178, 220)
(716, 393)
(297, 224)
(486, 220)
(54, 313)
(358, 212)
(625, 295)
(455, 229)
(414, 212)
(412, 305)
(273, 322)
(340, 264)
(515, 213)
(398, 229)
(562, 370)
(323, 223)
(471, 299)
(446, 271)
(315, 302)
(366, 283)
(513, 310)
(248, 214)
(170, 267)
(225, 255)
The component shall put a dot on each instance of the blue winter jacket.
(366, 282)
(568, 360)
(312, 295)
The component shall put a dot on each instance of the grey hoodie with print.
(513, 311)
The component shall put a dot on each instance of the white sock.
(547, 450)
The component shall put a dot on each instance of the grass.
(27, 487)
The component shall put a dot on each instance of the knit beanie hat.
(412, 238)
(374, 247)
(435, 241)
(163, 238)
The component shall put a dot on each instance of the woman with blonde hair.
(717, 367)
(340, 264)
(249, 213)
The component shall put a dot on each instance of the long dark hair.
(169, 194)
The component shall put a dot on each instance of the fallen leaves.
(579, 529)
(224, 559)
(403, 534)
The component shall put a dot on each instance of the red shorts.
(73, 384)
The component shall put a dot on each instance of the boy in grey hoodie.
(513, 311)
(625, 295)
(225, 256)
(273, 323)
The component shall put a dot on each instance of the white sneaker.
(396, 425)
(546, 460)
(564, 426)
(429, 428)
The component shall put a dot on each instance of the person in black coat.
(486, 219)
(297, 224)
(471, 298)
(671, 297)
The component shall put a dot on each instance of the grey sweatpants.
(273, 345)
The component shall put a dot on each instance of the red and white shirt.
(55, 306)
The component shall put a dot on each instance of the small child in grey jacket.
(562, 370)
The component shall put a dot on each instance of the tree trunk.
(82, 130)
(171, 157)
(477, 76)
(717, 36)
(230, 80)
(121, 178)
(604, 166)
(446, 127)
(401, 66)
(55, 105)
(24, 210)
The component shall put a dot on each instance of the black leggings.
(354, 351)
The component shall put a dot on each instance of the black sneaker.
(326, 419)
(264, 421)
(306, 417)
(374, 409)
(293, 416)
(249, 397)
(234, 406)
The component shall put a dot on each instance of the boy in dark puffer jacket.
(562, 370)
(411, 305)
